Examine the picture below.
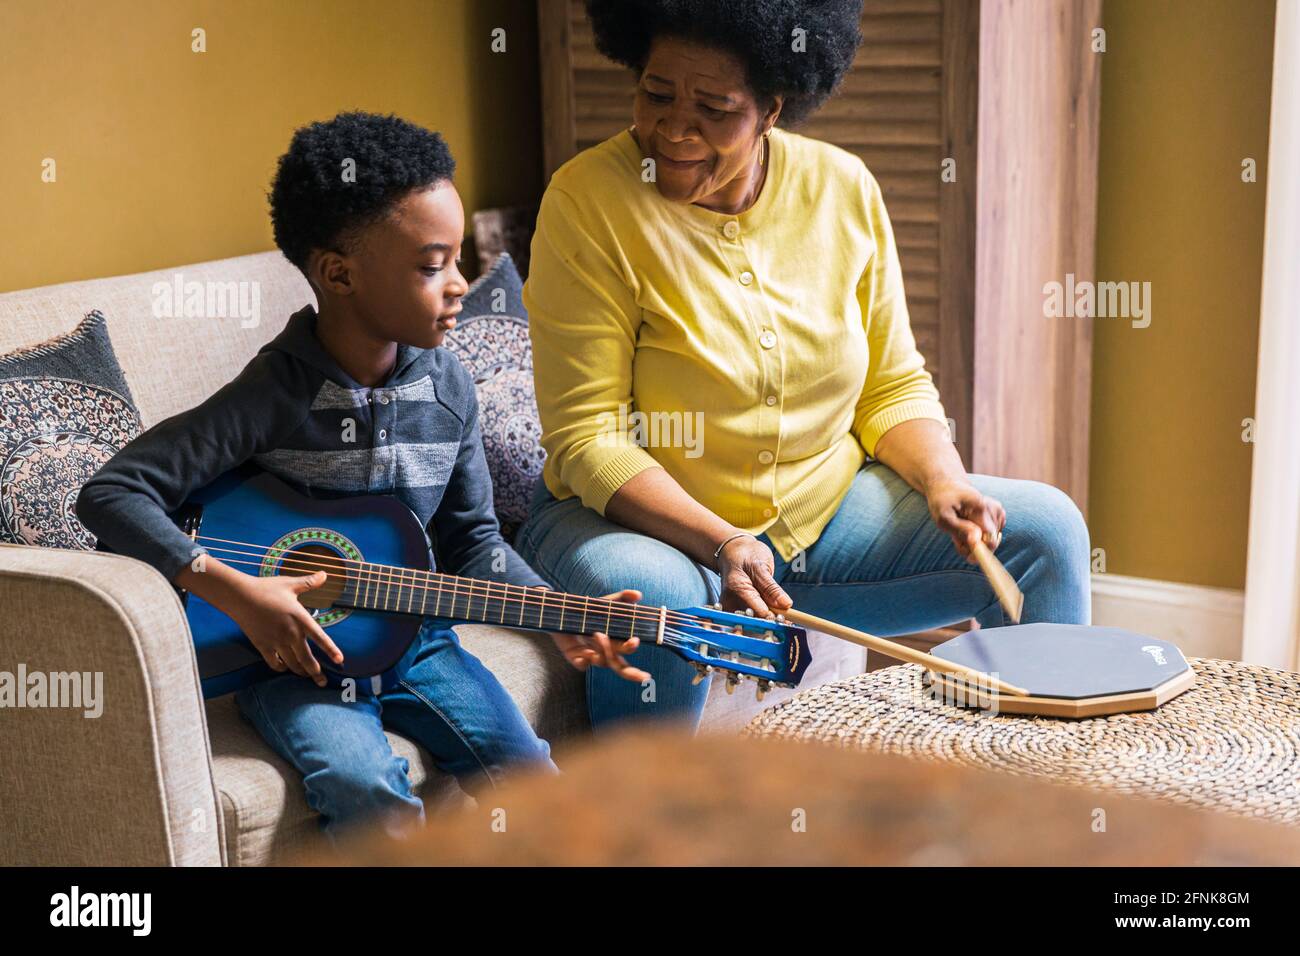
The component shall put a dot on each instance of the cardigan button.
(767, 339)
(731, 229)
(746, 277)
(765, 457)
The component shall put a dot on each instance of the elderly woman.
(732, 401)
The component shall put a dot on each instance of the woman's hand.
(921, 451)
(745, 566)
(584, 650)
(653, 503)
(966, 515)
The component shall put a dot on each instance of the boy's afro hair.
(313, 206)
(759, 33)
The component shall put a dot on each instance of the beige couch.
(163, 777)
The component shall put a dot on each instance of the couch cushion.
(65, 409)
(266, 815)
(174, 356)
(267, 819)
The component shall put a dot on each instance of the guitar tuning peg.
(702, 671)
(780, 618)
(749, 612)
(717, 606)
(732, 680)
(761, 688)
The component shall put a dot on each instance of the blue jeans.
(447, 702)
(880, 566)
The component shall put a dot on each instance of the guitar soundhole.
(307, 560)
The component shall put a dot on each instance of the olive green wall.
(1184, 99)
(164, 155)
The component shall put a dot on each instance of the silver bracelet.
(739, 534)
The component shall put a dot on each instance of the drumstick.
(902, 652)
(1004, 585)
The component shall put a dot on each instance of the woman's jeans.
(447, 702)
(880, 566)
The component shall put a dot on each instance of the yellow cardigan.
(764, 352)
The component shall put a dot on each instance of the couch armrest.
(132, 785)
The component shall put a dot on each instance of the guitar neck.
(453, 598)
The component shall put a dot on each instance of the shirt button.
(767, 340)
(731, 229)
(746, 277)
(383, 399)
(383, 433)
(765, 457)
(771, 399)
(767, 512)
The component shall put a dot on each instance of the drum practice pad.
(1070, 670)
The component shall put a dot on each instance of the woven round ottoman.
(1230, 743)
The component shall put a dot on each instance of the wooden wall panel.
(1037, 198)
(957, 226)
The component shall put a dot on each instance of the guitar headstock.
(742, 646)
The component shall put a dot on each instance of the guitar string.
(484, 592)
(549, 609)
(384, 576)
(672, 637)
(485, 589)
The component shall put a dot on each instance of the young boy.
(364, 206)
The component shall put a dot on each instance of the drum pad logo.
(1157, 653)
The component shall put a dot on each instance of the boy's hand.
(271, 617)
(582, 651)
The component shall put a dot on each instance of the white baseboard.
(1201, 621)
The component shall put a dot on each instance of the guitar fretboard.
(374, 587)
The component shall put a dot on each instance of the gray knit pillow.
(65, 409)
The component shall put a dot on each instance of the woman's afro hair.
(315, 206)
(759, 33)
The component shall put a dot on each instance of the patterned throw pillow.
(65, 409)
(491, 341)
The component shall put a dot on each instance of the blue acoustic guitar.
(380, 586)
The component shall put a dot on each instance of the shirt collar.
(298, 338)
